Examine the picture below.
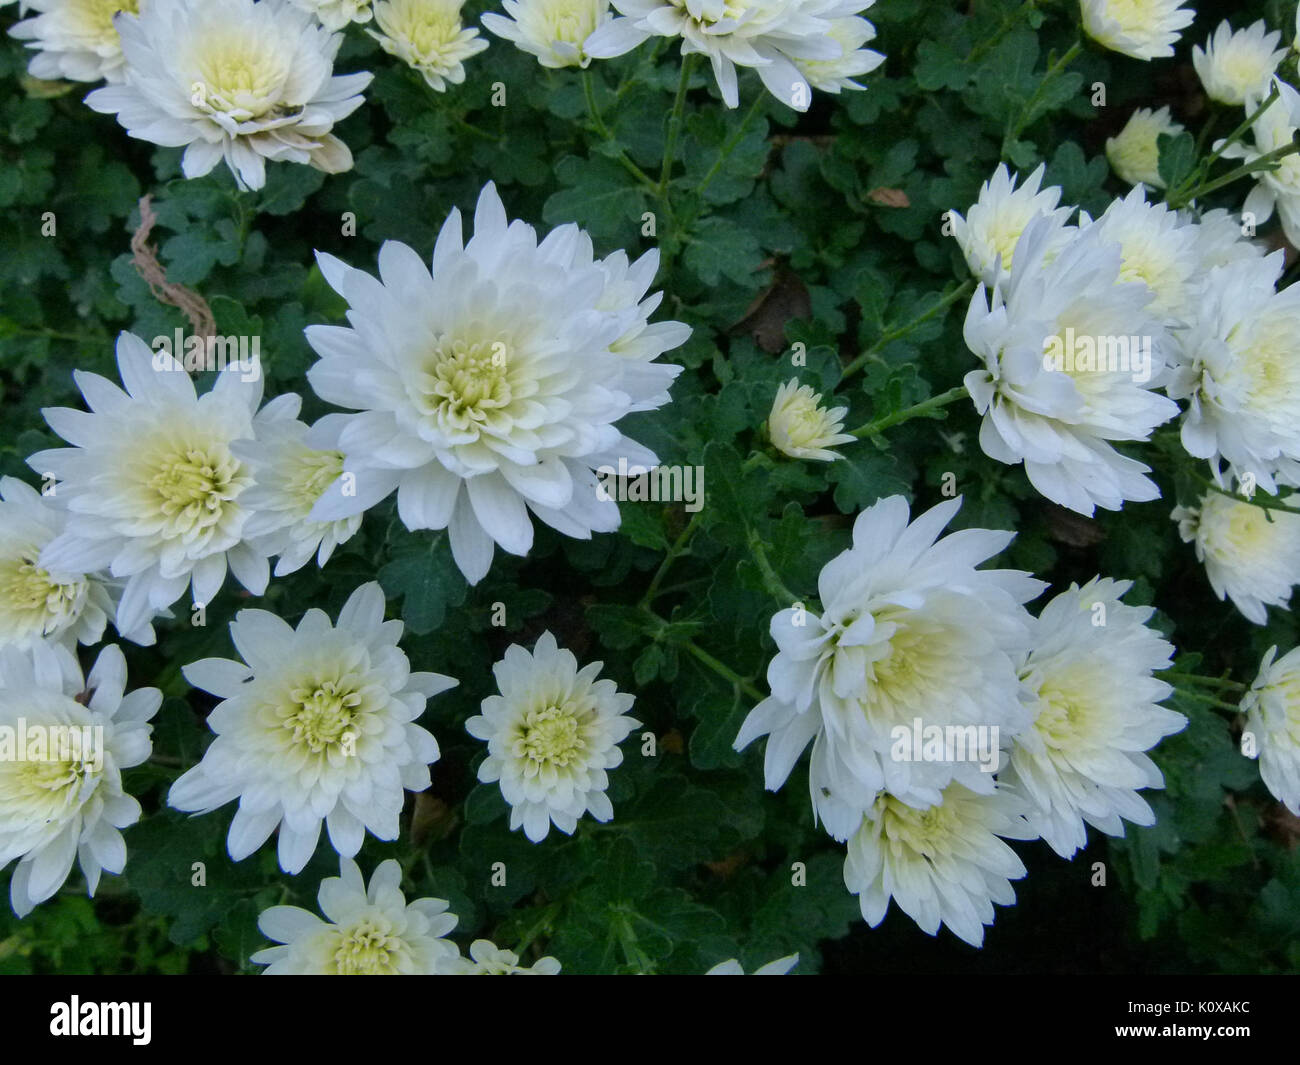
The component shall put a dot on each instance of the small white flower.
(337, 15)
(1278, 189)
(944, 865)
(65, 607)
(429, 37)
(551, 30)
(1272, 708)
(1072, 357)
(490, 390)
(151, 484)
(551, 734)
(803, 429)
(1090, 672)
(1251, 556)
(318, 726)
(61, 799)
(1233, 66)
(732, 967)
(1143, 29)
(74, 39)
(292, 468)
(993, 226)
(233, 80)
(910, 631)
(775, 37)
(487, 959)
(367, 933)
(1134, 152)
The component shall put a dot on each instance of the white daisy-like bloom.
(74, 40)
(429, 37)
(1237, 370)
(235, 80)
(319, 725)
(1072, 357)
(1233, 66)
(151, 484)
(944, 865)
(775, 37)
(491, 389)
(732, 967)
(64, 607)
(911, 635)
(835, 75)
(1095, 713)
(487, 959)
(552, 733)
(551, 30)
(1251, 556)
(366, 932)
(1272, 708)
(989, 232)
(1278, 189)
(337, 15)
(800, 427)
(1134, 152)
(61, 797)
(292, 466)
(1143, 29)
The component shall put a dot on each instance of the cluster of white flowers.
(922, 679)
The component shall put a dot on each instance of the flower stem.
(1256, 166)
(724, 153)
(771, 581)
(1180, 195)
(675, 123)
(1209, 700)
(898, 332)
(678, 549)
(1027, 115)
(1265, 503)
(918, 410)
(721, 669)
(598, 123)
(1210, 682)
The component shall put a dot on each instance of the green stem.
(1026, 115)
(1263, 163)
(771, 580)
(598, 123)
(917, 410)
(674, 553)
(730, 146)
(675, 124)
(1209, 700)
(1008, 21)
(1211, 682)
(898, 332)
(542, 924)
(721, 669)
(1179, 194)
(1264, 503)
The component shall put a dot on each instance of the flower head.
(487, 959)
(1143, 29)
(1272, 708)
(1233, 66)
(732, 967)
(491, 389)
(61, 795)
(803, 429)
(74, 39)
(1134, 152)
(1090, 673)
(551, 734)
(367, 932)
(428, 36)
(235, 80)
(319, 725)
(552, 30)
(337, 15)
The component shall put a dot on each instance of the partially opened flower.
(1233, 66)
(732, 967)
(800, 427)
(233, 80)
(1134, 152)
(366, 932)
(487, 959)
(1143, 29)
(429, 37)
(1272, 708)
(552, 733)
(318, 726)
(75, 40)
(552, 30)
(1095, 713)
(61, 795)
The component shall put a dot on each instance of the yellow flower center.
(464, 381)
(28, 593)
(322, 714)
(551, 736)
(313, 472)
(929, 833)
(368, 948)
(94, 18)
(191, 487)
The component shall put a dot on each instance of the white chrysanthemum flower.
(319, 725)
(1251, 556)
(1143, 29)
(911, 636)
(74, 39)
(373, 932)
(1134, 152)
(775, 37)
(1072, 357)
(1221, 238)
(992, 228)
(491, 389)
(429, 37)
(1237, 367)
(233, 80)
(1272, 708)
(732, 967)
(151, 484)
(61, 797)
(337, 15)
(1278, 189)
(64, 607)
(292, 467)
(835, 75)
(944, 865)
(487, 959)
(1233, 66)
(551, 734)
(551, 30)
(800, 427)
(1090, 673)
